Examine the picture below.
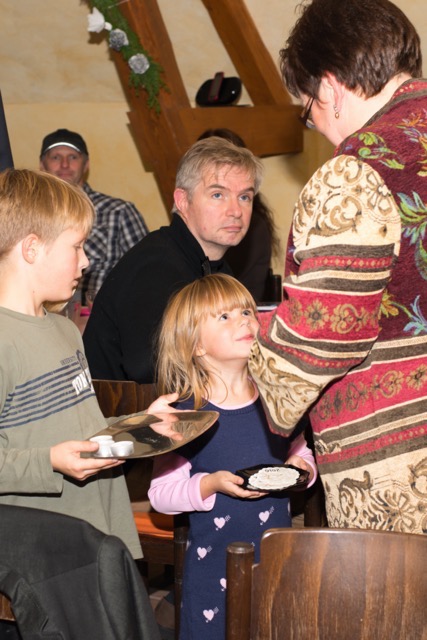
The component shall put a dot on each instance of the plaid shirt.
(118, 227)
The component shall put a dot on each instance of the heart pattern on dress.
(209, 614)
(264, 516)
(201, 552)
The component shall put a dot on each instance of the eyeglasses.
(305, 116)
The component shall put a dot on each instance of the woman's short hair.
(39, 203)
(363, 43)
(178, 367)
(214, 153)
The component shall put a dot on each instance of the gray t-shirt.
(46, 397)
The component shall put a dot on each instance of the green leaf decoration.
(148, 78)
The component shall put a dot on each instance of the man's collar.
(186, 238)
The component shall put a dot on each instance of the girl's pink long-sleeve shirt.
(173, 490)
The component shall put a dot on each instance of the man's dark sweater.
(120, 335)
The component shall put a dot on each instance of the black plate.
(154, 434)
(301, 482)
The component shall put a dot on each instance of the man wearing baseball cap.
(118, 224)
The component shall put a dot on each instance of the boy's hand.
(228, 483)
(65, 458)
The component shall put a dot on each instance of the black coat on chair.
(67, 580)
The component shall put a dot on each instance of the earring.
(337, 113)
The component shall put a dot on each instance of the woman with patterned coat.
(349, 340)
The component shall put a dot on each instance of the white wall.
(53, 75)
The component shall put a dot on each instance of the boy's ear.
(30, 247)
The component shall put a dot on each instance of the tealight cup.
(122, 448)
(102, 439)
(104, 446)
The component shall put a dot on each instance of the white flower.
(138, 63)
(96, 22)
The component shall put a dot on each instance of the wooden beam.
(269, 127)
(159, 137)
(160, 147)
(145, 19)
(266, 129)
(253, 62)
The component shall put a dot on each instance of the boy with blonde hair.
(48, 407)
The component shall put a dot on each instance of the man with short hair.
(215, 185)
(118, 224)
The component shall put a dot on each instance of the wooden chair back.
(163, 538)
(121, 397)
(6, 612)
(328, 584)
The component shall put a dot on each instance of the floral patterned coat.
(349, 340)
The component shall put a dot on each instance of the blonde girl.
(205, 339)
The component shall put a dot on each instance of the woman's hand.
(65, 458)
(227, 483)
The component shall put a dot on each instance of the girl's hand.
(65, 458)
(161, 404)
(299, 462)
(227, 483)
